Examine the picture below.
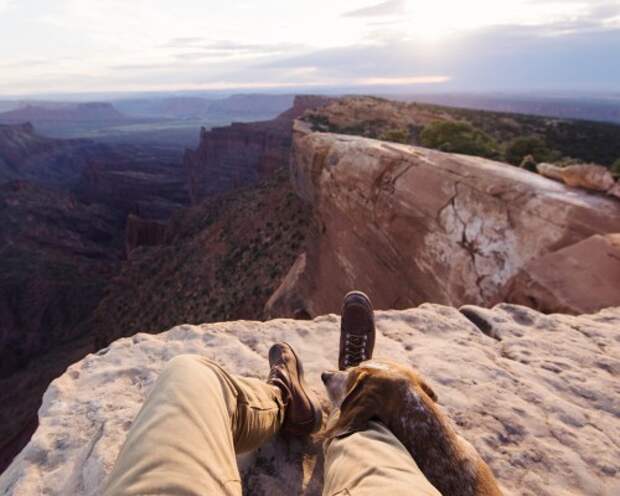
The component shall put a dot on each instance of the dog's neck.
(434, 446)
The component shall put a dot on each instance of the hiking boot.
(302, 410)
(357, 330)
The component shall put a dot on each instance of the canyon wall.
(25, 154)
(143, 232)
(57, 254)
(135, 181)
(242, 153)
(410, 225)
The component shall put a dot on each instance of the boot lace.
(355, 350)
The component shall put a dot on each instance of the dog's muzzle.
(326, 377)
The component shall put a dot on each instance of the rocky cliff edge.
(538, 395)
(409, 225)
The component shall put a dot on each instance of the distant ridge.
(79, 112)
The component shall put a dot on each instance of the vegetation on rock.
(502, 136)
(459, 137)
(222, 260)
(521, 147)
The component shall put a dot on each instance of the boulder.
(580, 278)
(587, 176)
(537, 395)
(410, 225)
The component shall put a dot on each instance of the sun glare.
(432, 20)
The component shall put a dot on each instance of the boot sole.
(318, 414)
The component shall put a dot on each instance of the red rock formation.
(242, 153)
(410, 225)
(142, 232)
(583, 277)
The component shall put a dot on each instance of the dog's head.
(371, 391)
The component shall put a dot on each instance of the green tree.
(615, 167)
(458, 137)
(519, 148)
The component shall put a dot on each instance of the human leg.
(372, 462)
(198, 416)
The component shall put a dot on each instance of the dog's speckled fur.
(400, 398)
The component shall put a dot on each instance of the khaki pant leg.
(183, 440)
(370, 463)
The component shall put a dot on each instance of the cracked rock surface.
(537, 395)
(410, 225)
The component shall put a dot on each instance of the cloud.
(147, 45)
(140, 67)
(236, 47)
(389, 7)
(506, 57)
(24, 63)
(182, 42)
(5, 4)
(200, 49)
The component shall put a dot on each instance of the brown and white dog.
(399, 397)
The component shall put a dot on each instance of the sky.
(75, 46)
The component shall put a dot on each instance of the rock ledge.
(537, 395)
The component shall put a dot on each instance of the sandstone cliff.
(143, 232)
(242, 153)
(537, 395)
(410, 225)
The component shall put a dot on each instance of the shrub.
(519, 148)
(396, 136)
(528, 163)
(458, 137)
(615, 167)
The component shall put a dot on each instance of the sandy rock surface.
(537, 395)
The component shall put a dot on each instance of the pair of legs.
(198, 417)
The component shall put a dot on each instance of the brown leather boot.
(303, 412)
(357, 330)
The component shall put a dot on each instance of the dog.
(401, 399)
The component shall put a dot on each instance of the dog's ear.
(428, 390)
(356, 409)
(352, 395)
